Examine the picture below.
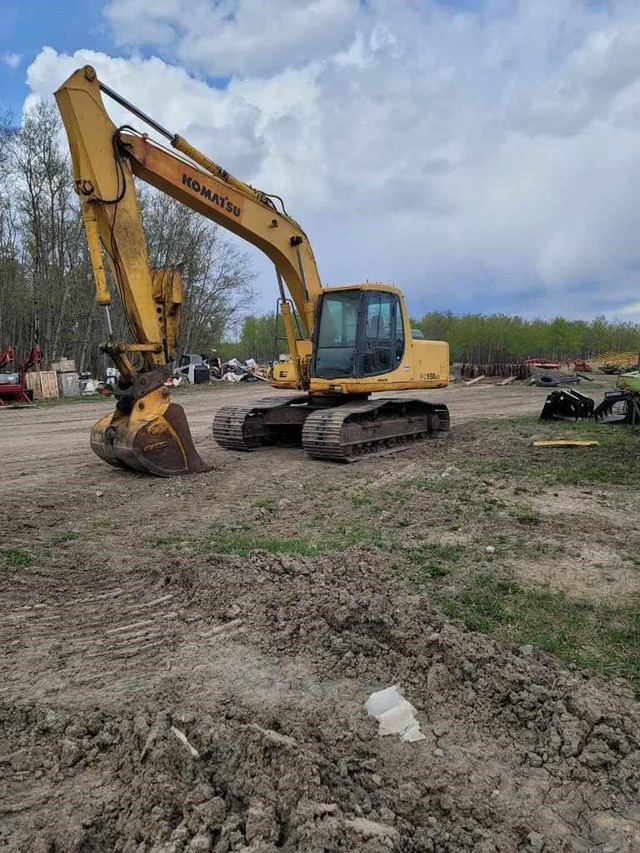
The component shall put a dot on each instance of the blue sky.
(482, 154)
(28, 26)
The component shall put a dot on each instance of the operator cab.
(359, 332)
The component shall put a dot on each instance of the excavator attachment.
(149, 434)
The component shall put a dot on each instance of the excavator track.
(343, 433)
(372, 428)
(248, 427)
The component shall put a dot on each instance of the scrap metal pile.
(247, 371)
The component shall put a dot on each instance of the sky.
(483, 155)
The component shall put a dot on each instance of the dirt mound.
(261, 742)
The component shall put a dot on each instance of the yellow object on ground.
(561, 442)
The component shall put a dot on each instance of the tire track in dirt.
(61, 635)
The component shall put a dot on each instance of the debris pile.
(549, 381)
(520, 370)
(616, 362)
(247, 371)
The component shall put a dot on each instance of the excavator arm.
(105, 159)
(147, 432)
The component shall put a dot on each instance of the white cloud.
(486, 160)
(218, 121)
(223, 37)
(11, 59)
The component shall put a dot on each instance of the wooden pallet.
(43, 383)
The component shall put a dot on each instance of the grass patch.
(603, 638)
(17, 558)
(526, 515)
(631, 554)
(242, 544)
(61, 538)
(100, 523)
(541, 548)
(616, 462)
(265, 503)
(433, 560)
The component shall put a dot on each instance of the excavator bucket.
(153, 438)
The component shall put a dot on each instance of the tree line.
(474, 338)
(46, 281)
(500, 338)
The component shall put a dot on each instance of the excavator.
(345, 343)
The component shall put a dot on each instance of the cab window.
(383, 345)
(336, 343)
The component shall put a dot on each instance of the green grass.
(526, 515)
(540, 548)
(616, 462)
(100, 523)
(242, 544)
(61, 538)
(265, 503)
(432, 560)
(17, 558)
(603, 638)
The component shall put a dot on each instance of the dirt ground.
(49, 443)
(185, 663)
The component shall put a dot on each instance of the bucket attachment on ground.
(147, 433)
(567, 405)
(619, 407)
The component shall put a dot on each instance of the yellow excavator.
(351, 341)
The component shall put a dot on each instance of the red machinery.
(6, 356)
(579, 364)
(13, 386)
(544, 363)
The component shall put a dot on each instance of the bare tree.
(217, 275)
(46, 282)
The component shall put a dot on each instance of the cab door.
(381, 334)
